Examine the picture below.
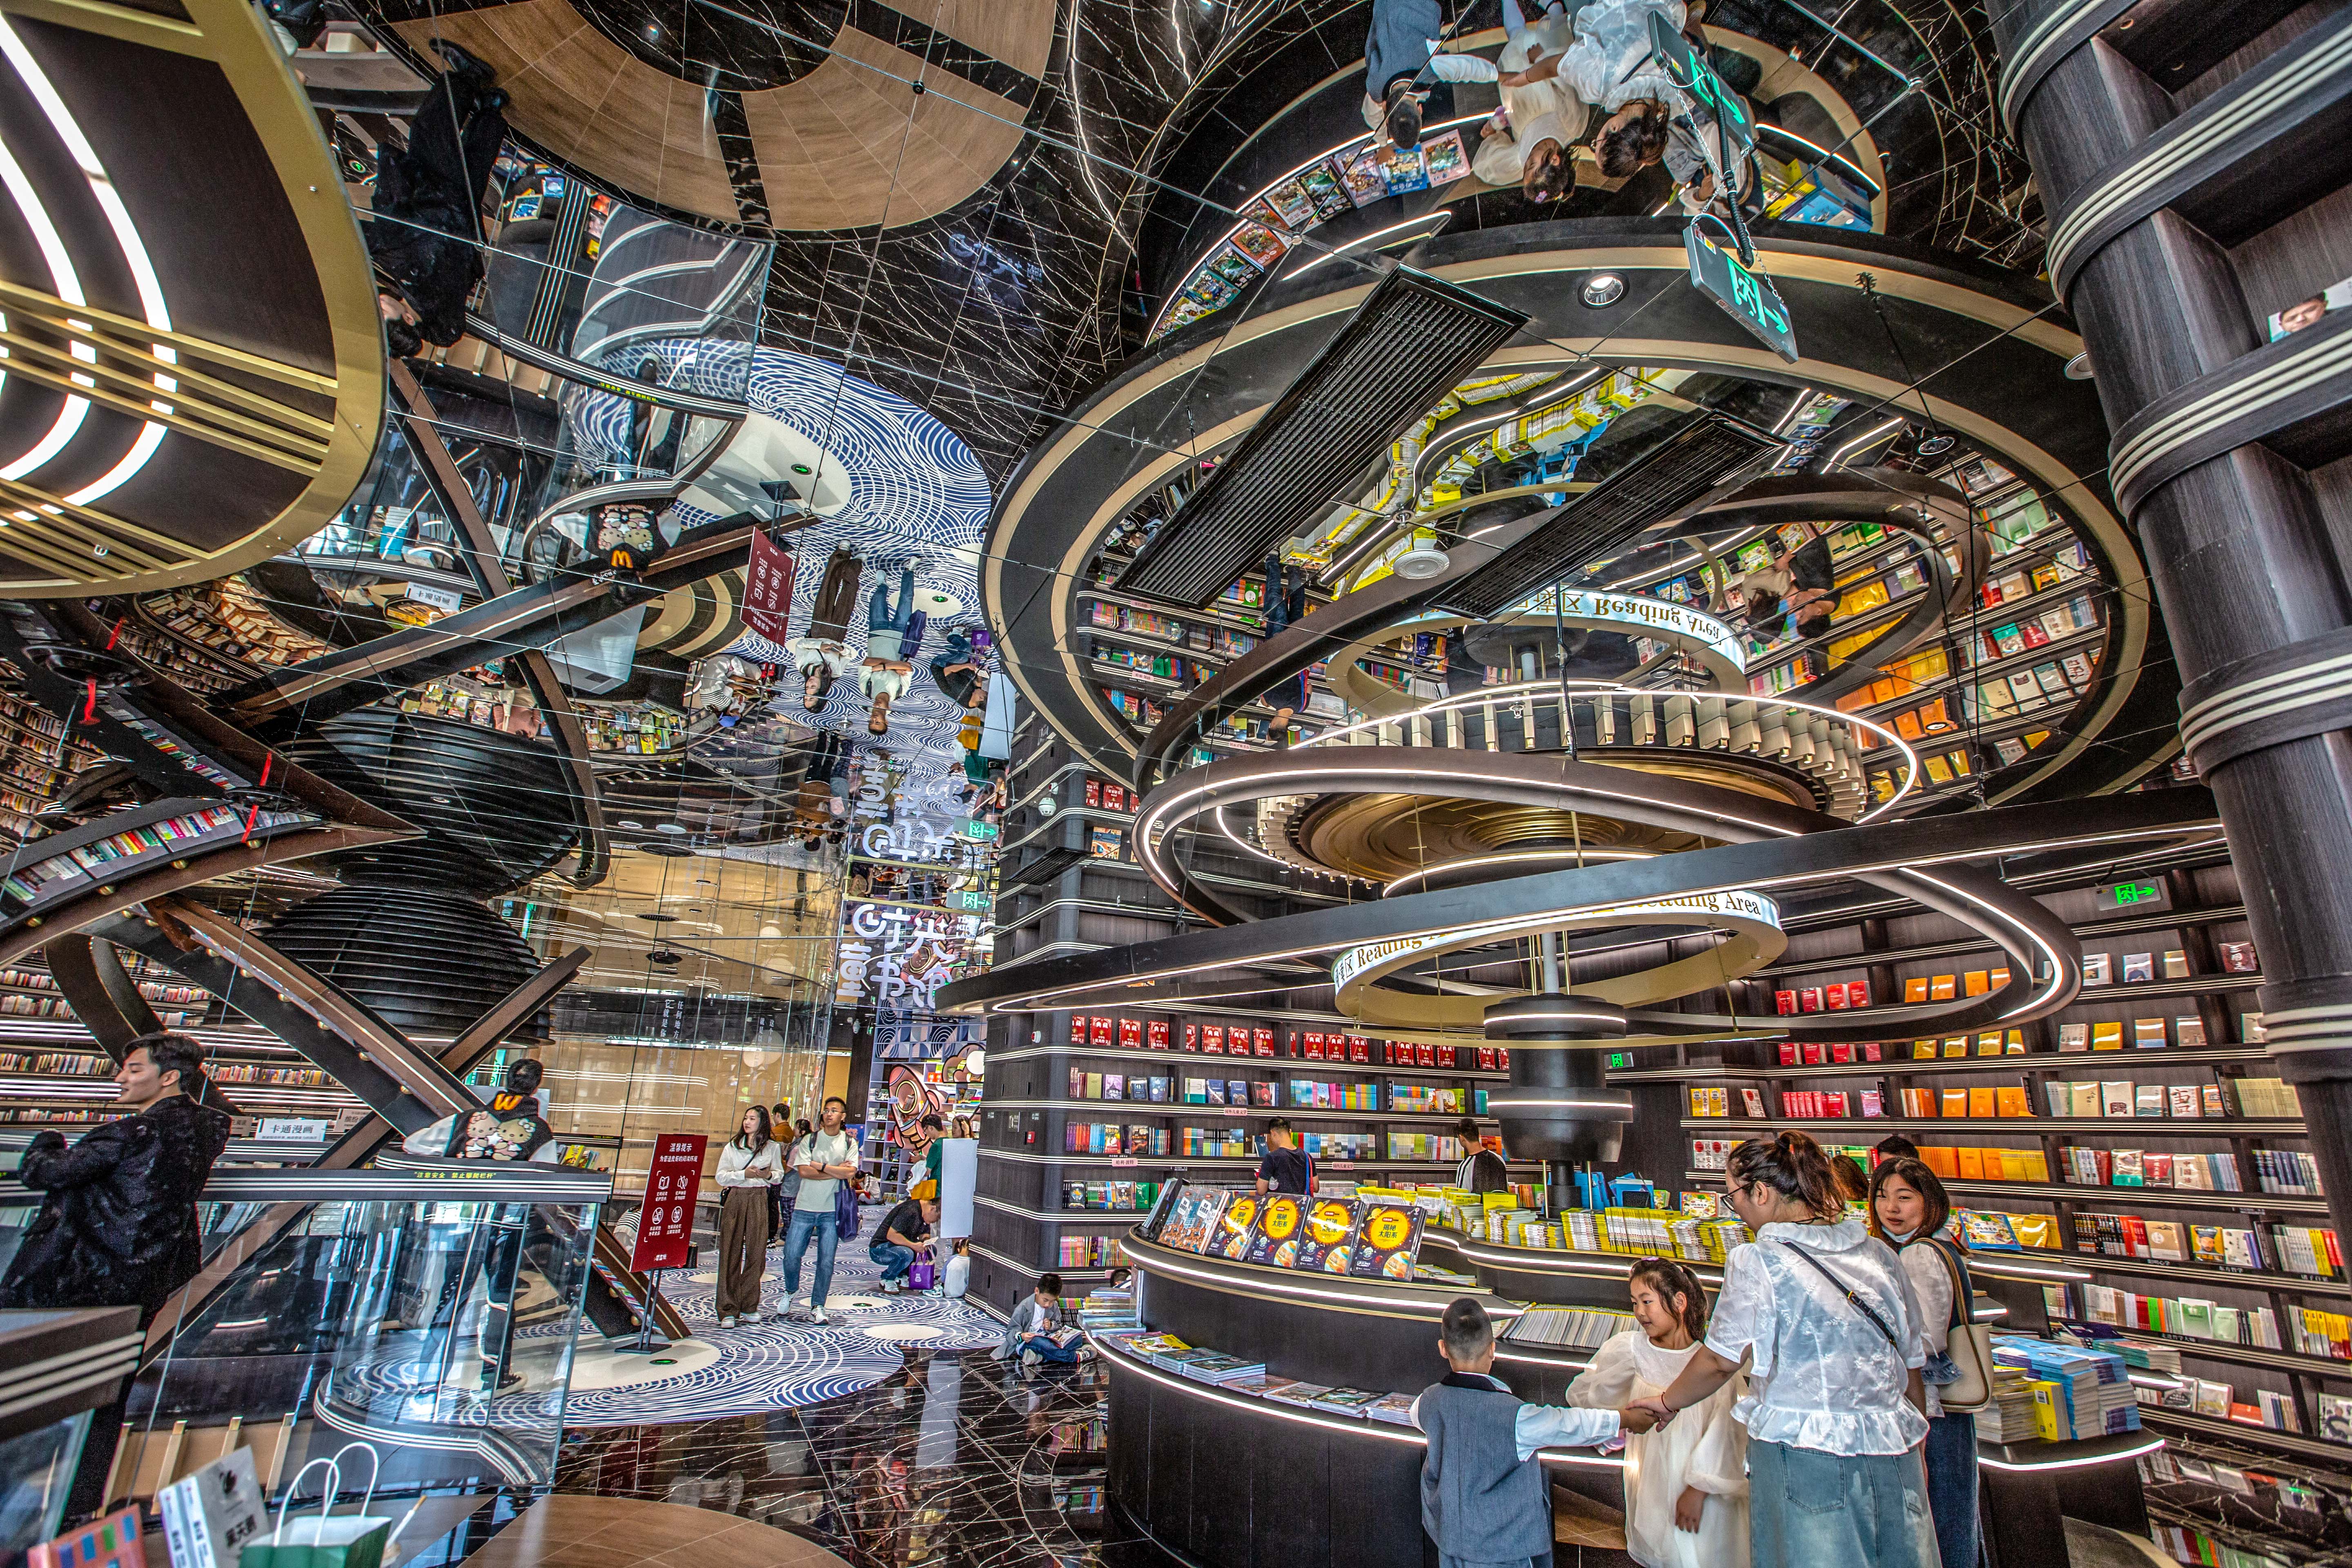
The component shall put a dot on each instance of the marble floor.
(954, 1459)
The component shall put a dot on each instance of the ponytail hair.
(1793, 1166)
(1669, 1279)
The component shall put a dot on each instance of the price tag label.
(1236, 1110)
(1120, 1161)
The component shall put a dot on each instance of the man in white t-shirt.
(823, 1160)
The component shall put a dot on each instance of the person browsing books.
(1481, 1170)
(904, 1234)
(1686, 1483)
(1485, 1498)
(1285, 1167)
(1835, 1401)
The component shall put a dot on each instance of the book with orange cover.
(1971, 1165)
(2011, 1101)
(1942, 988)
(1977, 982)
(1915, 988)
(1940, 1159)
(1983, 1101)
(1956, 1102)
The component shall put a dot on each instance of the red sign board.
(666, 1226)
(767, 588)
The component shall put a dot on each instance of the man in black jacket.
(118, 1220)
(425, 232)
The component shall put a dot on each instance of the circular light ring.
(1751, 921)
(1918, 860)
(1453, 873)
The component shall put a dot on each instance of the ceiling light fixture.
(1601, 289)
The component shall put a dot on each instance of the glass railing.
(432, 1315)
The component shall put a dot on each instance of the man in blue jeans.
(823, 1160)
(902, 1237)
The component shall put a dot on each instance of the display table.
(1551, 1274)
(1227, 1479)
(2026, 1491)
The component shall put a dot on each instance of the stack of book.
(2009, 1419)
(2086, 1392)
(1570, 1328)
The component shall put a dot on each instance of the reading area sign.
(1749, 296)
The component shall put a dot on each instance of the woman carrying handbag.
(1908, 1211)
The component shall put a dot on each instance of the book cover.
(1280, 1225)
(2138, 967)
(1391, 1407)
(2237, 958)
(1330, 1235)
(2098, 969)
(2176, 964)
(1942, 987)
(1346, 1401)
(1234, 1227)
(1388, 1235)
(1303, 1395)
(112, 1542)
(1325, 190)
(1914, 989)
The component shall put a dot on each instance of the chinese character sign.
(898, 954)
(767, 588)
(666, 1227)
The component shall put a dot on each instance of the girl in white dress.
(1686, 1484)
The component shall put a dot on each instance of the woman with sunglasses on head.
(1836, 1409)
(1686, 1484)
(1908, 1211)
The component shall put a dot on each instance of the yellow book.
(1957, 1046)
(2107, 1036)
(2046, 1411)
(2012, 1164)
(1983, 1102)
(2037, 1169)
(2035, 1229)
(1921, 1049)
(1989, 1045)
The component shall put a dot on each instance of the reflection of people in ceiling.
(1797, 589)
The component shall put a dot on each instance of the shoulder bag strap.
(1962, 1293)
(1852, 1298)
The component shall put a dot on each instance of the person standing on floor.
(1401, 45)
(1285, 603)
(1685, 1485)
(823, 1160)
(1481, 1170)
(1284, 1167)
(1485, 1498)
(1530, 141)
(823, 654)
(1836, 1407)
(749, 1165)
(1908, 1211)
(424, 224)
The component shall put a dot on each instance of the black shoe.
(461, 61)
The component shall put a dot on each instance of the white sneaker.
(726, 1323)
(818, 1316)
(1030, 1360)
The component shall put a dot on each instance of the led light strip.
(2150, 1446)
(67, 285)
(134, 254)
(1275, 1287)
(1475, 862)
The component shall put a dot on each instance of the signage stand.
(665, 1224)
(645, 1345)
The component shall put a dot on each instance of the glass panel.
(442, 1332)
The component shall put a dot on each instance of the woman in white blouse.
(1835, 1405)
(749, 1165)
(1908, 1211)
(1686, 1484)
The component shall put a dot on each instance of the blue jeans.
(893, 1258)
(880, 616)
(808, 1223)
(1952, 1487)
(1064, 1355)
(1832, 1511)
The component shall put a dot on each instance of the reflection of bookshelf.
(124, 843)
(36, 761)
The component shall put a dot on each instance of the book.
(1346, 1401)
(2098, 969)
(2176, 964)
(2107, 1036)
(2237, 958)
(1330, 1235)
(1275, 1237)
(2149, 1034)
(2189, 1031)
(1303, 1395)
(211, 1512)
(1232, 1237)
(1388, 1235)
(2138, 966)
(112, 1542)
(2073, 1036)
(1394, 1407)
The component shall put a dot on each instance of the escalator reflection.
(431, 1312)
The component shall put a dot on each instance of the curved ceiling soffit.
(1825, 267)
(163, 431)
(851, 144)
(1917, 859)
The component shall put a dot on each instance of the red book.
(1833, 996)
(1840, 1054)
(1815, 1055)
(1078, 1028)
(1156, 1034)
(1870, 1051)
(1857, 993)
(1098, 1031)
(1423, 1056)
(1313, 1046)
(1114, 797)
(1213, 1038)
(1503, 1058)
(1784, 1002)
(1788, 1053)
(1262, 1039)
(1360, 1049)
(1485, 1059)
(1809, 1000)
(1130, 1033)
(1192, 1036)
(1094, 792)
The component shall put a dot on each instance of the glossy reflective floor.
(954, 1459)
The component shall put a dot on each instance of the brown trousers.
(837, 598)
(742, 1250)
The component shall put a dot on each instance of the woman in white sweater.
(1685, 1483)
(749, 1165)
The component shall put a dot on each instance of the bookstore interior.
(1034, 789)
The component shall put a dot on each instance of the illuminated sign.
(1693, 75)
(2150, 895)
(1750, 296)
(1654, 618)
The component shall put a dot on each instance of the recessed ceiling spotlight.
(1936, 445)
(1601, 289)
(632, 827)
(2079, 367)
(667, 827)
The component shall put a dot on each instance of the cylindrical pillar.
(2246, 568)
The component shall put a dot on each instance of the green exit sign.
(1749, 296)
(1621, 1058)
(2146, 895)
